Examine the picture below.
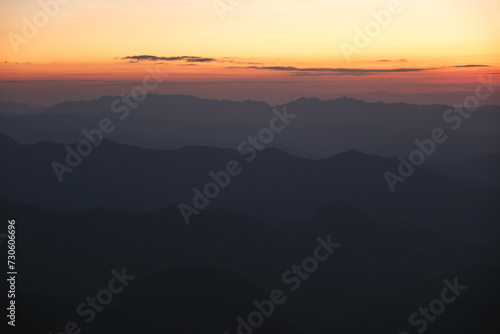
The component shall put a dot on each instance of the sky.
(273, 50)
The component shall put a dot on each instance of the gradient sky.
(271, 50)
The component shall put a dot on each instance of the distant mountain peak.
(345, 99)
(352, 152)
(308, 99)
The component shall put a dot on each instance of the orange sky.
(414, 46)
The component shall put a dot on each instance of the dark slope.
(481, 170)
(378, 274)
(275, 186)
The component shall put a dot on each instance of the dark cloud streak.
(326, 71)
(189, 59)
(473, 65)
(389, 61)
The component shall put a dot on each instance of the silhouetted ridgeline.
(275, 186)
(311, 216)
(323, 128)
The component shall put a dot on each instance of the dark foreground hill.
(201, 277)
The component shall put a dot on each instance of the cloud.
(472, 66)
(189, 59)
(398, 61)
(330, 71)
(389, 61)
(295, 71)
(18, 63)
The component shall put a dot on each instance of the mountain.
(209, 226)
(481, 169)
(312, 111)
(448, 98)
(321, 129)
(15, 108)
(210, 272)
(275, 186)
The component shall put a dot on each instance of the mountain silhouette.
(322, 129)
(209, 273)
(280, 186)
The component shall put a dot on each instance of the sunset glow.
(426, 46)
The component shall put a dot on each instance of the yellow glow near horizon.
(98, 31)
(84, 40)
